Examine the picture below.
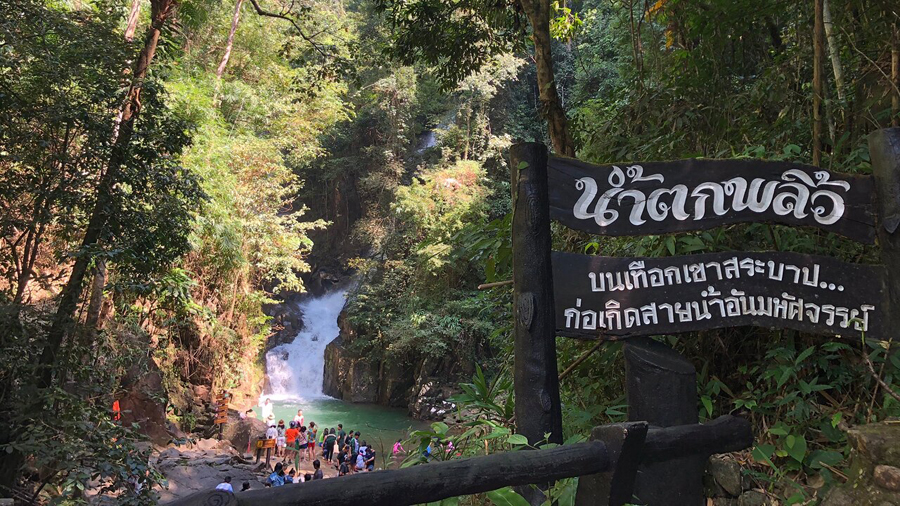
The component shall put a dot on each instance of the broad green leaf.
(506, 497)
(819, 458)
(796, 448)
(517, 439)
(707, 403)
(763, 454)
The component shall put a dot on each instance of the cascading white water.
(296, 369)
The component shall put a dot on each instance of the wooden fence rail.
(440, 480)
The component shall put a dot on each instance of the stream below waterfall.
(295, 372)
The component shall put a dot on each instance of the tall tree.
(458, 37)
(160, 13)
(818, 80)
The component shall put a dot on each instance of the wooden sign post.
(538, 410)
(221, 411)
(595, 297)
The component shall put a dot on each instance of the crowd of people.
(296, 442)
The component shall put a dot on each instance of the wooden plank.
(662, 390)
(265, 443)
(663, 197)
(609, 296)
(724, 434)
(431, 482)
(624, 443)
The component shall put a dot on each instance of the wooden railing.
(611, 460)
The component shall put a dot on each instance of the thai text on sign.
(665, 197)
(645, 296)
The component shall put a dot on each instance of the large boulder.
(240, 431)
(874, 468)
(144, 401)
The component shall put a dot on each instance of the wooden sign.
(221, 419)
(265, 443)
(664, 197)
(649, 296)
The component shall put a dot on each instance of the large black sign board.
(665, 197)
(605, 296)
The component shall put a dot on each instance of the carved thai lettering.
(673, 275)
(632, 317)
(684, 312)
(731, 268)
(670, 309)
(648, 313)
(698, 272)
(613, 316)
(656, 277)
(703, 314)
(573, 315)
(718, 267)
(597, 282)
(638, 275)
(811, 280)
(772, 271)
(812, 312)
(829, 309)
(830, 297)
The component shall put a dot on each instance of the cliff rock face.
(357, 379)
(422, 387)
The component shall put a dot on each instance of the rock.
(753, 498)
(144, 401)
(201, 392)
(207, 444)
(726, 473)
(239, 432)
(887, 477)
(878, 443)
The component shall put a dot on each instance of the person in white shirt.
(299, 418)
(226, 485)
(271, 432)
(267, 408)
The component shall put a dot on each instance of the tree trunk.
(132, 20)
(538, 12)
(818, 77)
(96, 301)
(833, 49)
(228, 45)
(64, 317)
(895, 76)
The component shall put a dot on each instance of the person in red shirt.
(291, 435)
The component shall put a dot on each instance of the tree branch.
(263, 12)
(887, 388)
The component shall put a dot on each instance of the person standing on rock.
(298, 419)
(290, 438)
(226, 485)
(341, 436)
(280, 439)
(312, 436)
(266, 409)
(300, 446)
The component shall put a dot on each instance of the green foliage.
(75, 441)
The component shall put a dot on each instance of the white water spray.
(296, 369)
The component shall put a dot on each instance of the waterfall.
(296, 369)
